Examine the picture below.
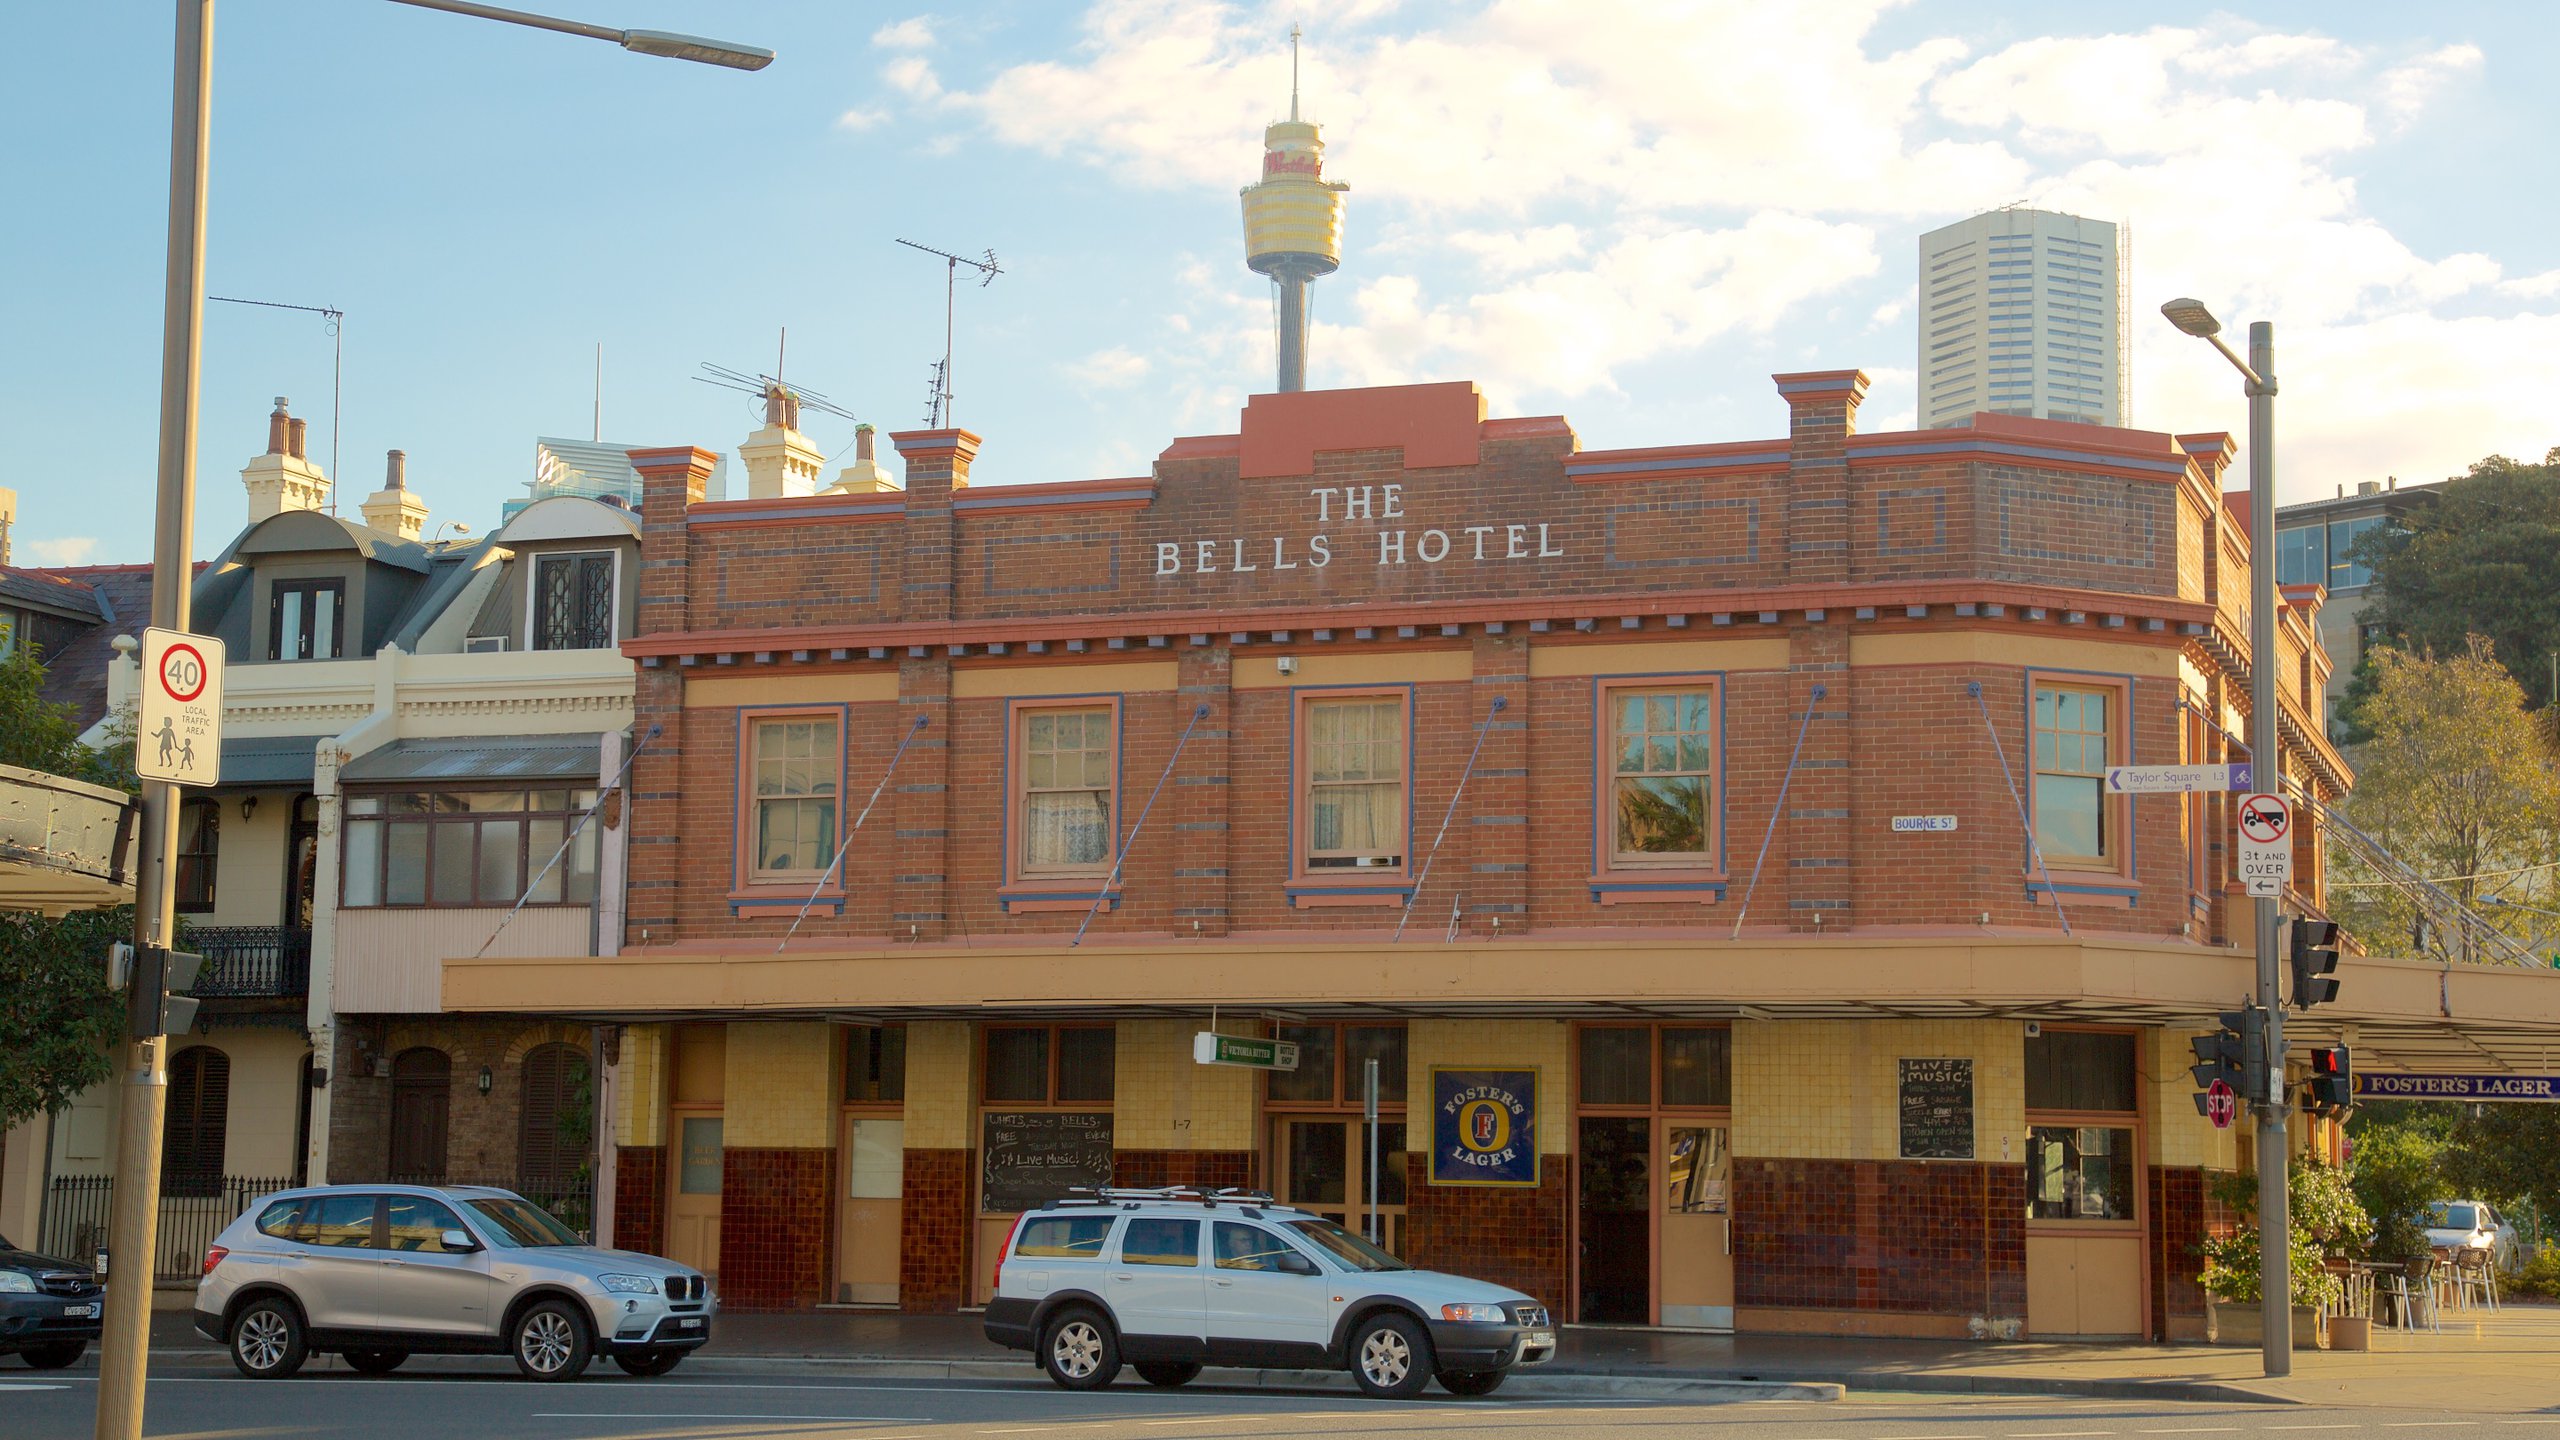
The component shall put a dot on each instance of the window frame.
(1348, 1096)
(1654, 1104)
(203, 864)
(2115, 812)
(1056, 1061)
(533, 598)
(1352, 884)
(199, 1074)
(2136, 1120)
(746, 877)
(1070, 887)
(529, 863)
(277, 589)
(1616, 879)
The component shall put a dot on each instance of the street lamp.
(135, 1222)
(2275, 1279)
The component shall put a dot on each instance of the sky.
(1628, 213)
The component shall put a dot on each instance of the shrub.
(2540, 1277)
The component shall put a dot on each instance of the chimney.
(300, 427)
(393, 508)
(780, 460)
(281, 479)
(864, 476)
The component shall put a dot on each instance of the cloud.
(68, 550)
(912, 33)
(861, 119)
(1114, 369)
(2406, 89)
(912, 75)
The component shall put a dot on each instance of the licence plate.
(81, 1312)
(1539, 1340)
(690, 1323)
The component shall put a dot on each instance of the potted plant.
(2324, 1215)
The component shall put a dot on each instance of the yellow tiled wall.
(1494, 1044)
(1830, 1089)
(780, 1085)
(2180, 1136)
(640, 1087)
(1168, 1101)
(939, 1086)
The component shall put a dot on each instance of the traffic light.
(2314, 955)
(156, 1003)
(2332, 1086)
(2234, 1055)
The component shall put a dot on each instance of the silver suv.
(377, 1273)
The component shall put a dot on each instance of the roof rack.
(1166, 1194)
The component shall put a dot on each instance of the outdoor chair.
(2413, 1294)
(2474, 1276)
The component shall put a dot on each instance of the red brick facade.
(777, 1228)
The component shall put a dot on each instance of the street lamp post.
(133, 1228)
(2275, 1249)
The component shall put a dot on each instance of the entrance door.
(693, 1209)
(1697, 1225)
(867, 1217)
(1324, 1167)
(1615, 1237)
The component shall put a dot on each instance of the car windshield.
(522, 1225)
(1346, 1247)
(2442, 1216)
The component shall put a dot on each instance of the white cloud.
(861, 119)
(912, 75)
(69, 550)
(2536, 287)
(1889, 312)
(912, 33)
(2406, 89)
(1114, 369)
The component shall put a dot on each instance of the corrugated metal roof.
(268, 759)
(481, 757)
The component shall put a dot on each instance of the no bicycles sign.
(2266, 844)
(177, 737)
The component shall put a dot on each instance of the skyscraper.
(2022, 313)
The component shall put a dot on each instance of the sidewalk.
(2499, 1363)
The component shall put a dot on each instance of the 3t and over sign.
(2266, 844)
(178, 734)
(1371, 508)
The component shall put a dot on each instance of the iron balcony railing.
(252, 961)
(193, 1210)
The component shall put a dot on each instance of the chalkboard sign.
(1027, 1158)
(1937, 1109)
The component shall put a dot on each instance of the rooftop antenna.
(336, 320)
(988, 270)
(1294, 33)
(782, 403)
(598, 433)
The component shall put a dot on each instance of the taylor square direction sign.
(2177, 779)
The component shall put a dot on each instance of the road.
(487, 1403)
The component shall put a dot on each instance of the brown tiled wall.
(1939, 1238)
(933, 1273)
(775, 1228)
(1502, 1236)
(640, 1199)
(1210, 1169)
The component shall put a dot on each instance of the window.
(338, 1221)
(199, 840)
(2301, 557)
(573, 602)
(2079, 1172)
(1355, 749)
(2345, 573)
(307, 620)
(875, 1064)
(555, 1127)
(469, 847)
(1070, 761)
(2080, 1070)
(415, 1222)
(1333, 1065)
(1152, 1241)
(1249, 1247)
(11, 623)
(2082, 1094)
(1656, 1066)
(1049, 1064)
(792, 764)
(199, 1116)
(1054, 1237)
(1662, 780)
(2074, 820)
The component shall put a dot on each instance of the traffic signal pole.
(133, 1229)
(2275, 1228)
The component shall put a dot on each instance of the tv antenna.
(940, 413)
(336, 320)
(781, 402)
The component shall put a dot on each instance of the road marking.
(2425, 1424)
(2193, 1430)
(2057, 1434)
(2310, 1427)
(712, 1415)
(15, 1386)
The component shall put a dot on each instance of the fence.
(77, 1209)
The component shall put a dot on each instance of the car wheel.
(657, 1362)
(1472, 1382)
(61, 1354)
(1390, 1356)
(375, 1362)
(1079, 1351)
(266, 1338)
(1166, 1374)
(551, 1343)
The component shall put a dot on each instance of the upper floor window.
(573, 602)
(1355, 782)
(1070, 763)
(199, 843)
(792, 767)
(1662, 776)
(469, 847)
(11, 622)
(2345, 573)
(875, 1064)
(2074, 743)
(307, 620)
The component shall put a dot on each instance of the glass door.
(1697, 1225)
(1324, 1168)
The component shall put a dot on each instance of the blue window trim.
(1008, 864)
(1602, 735)
(833, 906)
(1616, 887)
(1110, 898)
(1402, 882)
(1404, 889)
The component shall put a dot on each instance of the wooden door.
(421, 1102)
(693, 1201)
(868, 1211)
(1695, 1225)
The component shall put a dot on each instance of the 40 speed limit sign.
(177, 737)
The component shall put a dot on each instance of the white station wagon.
(1172, 1280)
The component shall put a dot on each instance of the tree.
(2455, 781)
(2477, 561)
(2402, 1151)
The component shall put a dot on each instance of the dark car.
(49, 1308)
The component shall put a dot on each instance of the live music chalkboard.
(1937, 1109)
(1027, 1158)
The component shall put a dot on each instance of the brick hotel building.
(1824, 986)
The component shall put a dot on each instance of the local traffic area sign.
(177, 735)
(2176, 779)
(2266, 844)
(2531, 1089)
(1210, 1048)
